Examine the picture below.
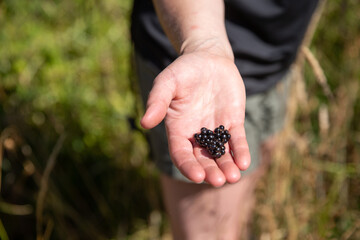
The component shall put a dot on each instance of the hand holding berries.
(213, 141)
(200, 89)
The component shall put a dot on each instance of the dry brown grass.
(311, 190)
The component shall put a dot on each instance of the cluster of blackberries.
(213, 141)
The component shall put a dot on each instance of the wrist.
(212, 45)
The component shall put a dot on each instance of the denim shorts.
(264, 116)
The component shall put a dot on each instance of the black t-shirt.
(264, 35)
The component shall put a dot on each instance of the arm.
(193, 24)
(202, 88)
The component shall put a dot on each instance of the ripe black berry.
(213, 141)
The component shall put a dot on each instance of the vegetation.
(75, 164)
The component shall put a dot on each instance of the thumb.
(160, 97)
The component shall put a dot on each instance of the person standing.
(207, 63)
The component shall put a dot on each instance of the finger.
(181, 152)
(159, 99)
(239, 147)
(229, 168)
(213, 175)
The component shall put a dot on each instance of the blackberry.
(213, 141)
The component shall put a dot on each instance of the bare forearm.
(193, 24)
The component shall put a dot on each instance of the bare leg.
(204, 212)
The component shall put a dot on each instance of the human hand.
(201, 89)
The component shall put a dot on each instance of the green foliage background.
(65, 71)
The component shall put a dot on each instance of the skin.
(201, 88)
(203, 212)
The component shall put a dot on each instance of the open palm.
(201, 90)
